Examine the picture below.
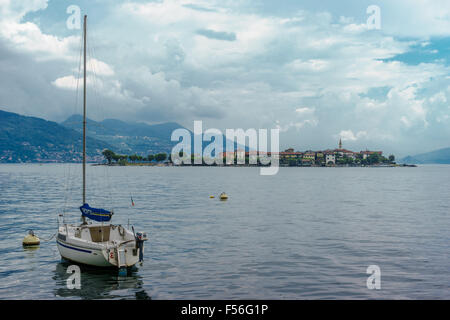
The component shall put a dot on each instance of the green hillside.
(31, 139)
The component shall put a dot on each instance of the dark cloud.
(25, 86)
(219, 35)
(197, 7)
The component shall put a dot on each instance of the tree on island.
(391, 158)
(374, 158)
(132, 157)
(160, 157)
(117, 157)
(358, 158)
(150, 157)
(123, 161)
(109, 155)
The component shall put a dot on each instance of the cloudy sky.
(313, 69)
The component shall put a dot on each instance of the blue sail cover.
(95, 214)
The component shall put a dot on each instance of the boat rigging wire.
(70, 179)
(99, 101)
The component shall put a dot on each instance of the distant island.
(328, 157)
(287, 158)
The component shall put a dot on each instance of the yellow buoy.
(223, 196)
(211, 197)
(30, 240)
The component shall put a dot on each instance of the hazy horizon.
(328, 146)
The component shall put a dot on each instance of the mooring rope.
(50, 237)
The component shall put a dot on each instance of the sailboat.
(98, 242)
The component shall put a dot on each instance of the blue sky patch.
(436, 50)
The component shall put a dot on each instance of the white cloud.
(16, 10)
(27, 36)
(416, 18)
(69, 82)
(405, 121)
(348, 135)
(311, 65)
(406, 100)
(443, 118)
(439, 98)
(99, 67)
(305, 110)
(285, 127)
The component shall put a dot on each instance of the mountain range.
(135, 137)
(127, 137)
(441, 156)
(32, 139)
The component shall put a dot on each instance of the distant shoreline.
(404, 165)
(251, 165)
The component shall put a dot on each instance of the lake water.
(305, 233)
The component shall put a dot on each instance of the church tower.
(340, 143)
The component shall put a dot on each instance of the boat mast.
(84, 119)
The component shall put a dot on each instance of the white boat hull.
(91, 257)
(81, 244)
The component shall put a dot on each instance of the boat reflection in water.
(99, 283)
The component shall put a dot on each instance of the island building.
(289, 157)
